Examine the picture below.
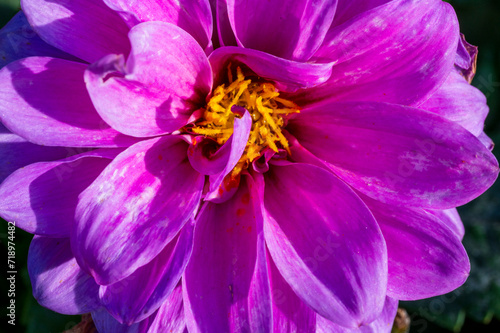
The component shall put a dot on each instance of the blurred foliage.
(467, 309)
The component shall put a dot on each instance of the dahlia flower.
(240, 166)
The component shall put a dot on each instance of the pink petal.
(397, 53)
(44, 100)
(225, 283)
(138, 203)
(42, 197)
(426, 257)
(86, 29)
(195, 17)
(337, 268)
(165, 79)
(290, 30)
(58, 282)
(396, 154)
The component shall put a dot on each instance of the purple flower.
(240, 166)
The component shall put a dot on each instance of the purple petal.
(45, 101)
(290, 30)
(170, 316)
(339, 269)
(238, 143)
(104, 322)
(42, 197)
(466, 59)
(166, 78)
(426, 257)
(138, 203)
(460, 102)
(397, 53)
(383, 323)
(58, 282)
(16, 153)
(398, 154)
(137, 296)
(225, 34)
(18, 40)
(288, 75)
(88, 30)
(207, 157)
(347, 10)
(290, 314)
(451, 218)
(224, 283)
(195, 17)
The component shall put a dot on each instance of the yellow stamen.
(265, 107)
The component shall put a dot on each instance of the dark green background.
(469, 308)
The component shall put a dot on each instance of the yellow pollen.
(266, 108)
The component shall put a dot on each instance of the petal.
(398, 154)
(58, 282)
(166, 78)
(170, 316)
(288, 75)
(290, 30)
(338, 268)
(426, 257)
(397, 53)
(347, 10)
(42, 197)
(290, 314)
(195, 17)
(104, 322)
(45, 101)
(225, 283)
(18, 40)
(137, 296)
(86, 29)
(466, 59)
(138, 203)
(16, 153)
(460, 102)
(225, 34)
(383, 323)
(450, 218)
(238, 144)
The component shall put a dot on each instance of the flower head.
(235, 166)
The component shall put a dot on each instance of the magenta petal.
(460, 102)
(288, 75)
(224, 286)
(426, 257)
(140, 294)
(18, 40)
(58, 282)
(104, 322)
(166, 78)
(170, 316)
(398, 154)
(138, 203)
(339, 269)
(206, 156)
(86, 29)
(194, 17)
(451, 218)
(45, 101)
(16, 153)
(383, 323)
(238, 143)
(347, 10)
(291, 30)
(225, 34)
(466, 59)
(397, 53)
(289, 313)
(42, 197)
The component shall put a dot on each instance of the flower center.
(267, 109)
